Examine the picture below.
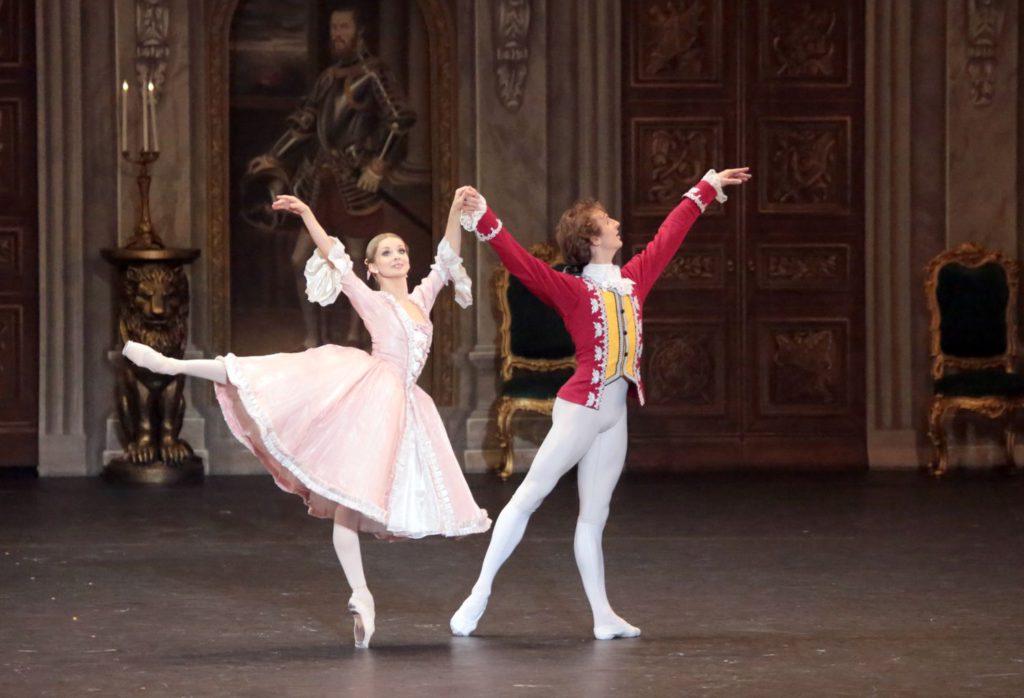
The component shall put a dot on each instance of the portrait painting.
(330, 102)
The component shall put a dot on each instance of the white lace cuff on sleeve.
(323, 278)
(712, 178)
(449, 265)
(469, 221)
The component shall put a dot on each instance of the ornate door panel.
(754, 337)
(19, 308)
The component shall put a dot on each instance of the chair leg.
(937, 433)
(506, 410)
(1011, 442)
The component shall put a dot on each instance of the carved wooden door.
(19, 295)
(754, 338)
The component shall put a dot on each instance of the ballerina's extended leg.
(150, 359)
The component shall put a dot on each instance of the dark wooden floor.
(744, 585)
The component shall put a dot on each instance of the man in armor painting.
(349, 132)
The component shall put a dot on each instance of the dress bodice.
(397, 339)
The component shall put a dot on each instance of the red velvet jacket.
(578, 301)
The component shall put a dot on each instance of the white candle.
(124, 116)
(152, 117)
(145, 123)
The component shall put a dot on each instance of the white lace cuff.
(469, 221)
(712, 178)
(323, 277)
(450, 267)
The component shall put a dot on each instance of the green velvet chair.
(537, 354)
(972, 296)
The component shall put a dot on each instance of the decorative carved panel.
(803, 366)
(9, 165)
(985, 21)
(669, 157)
(512, 52)
(804, 41)
(152, 43)
(803, 267)
(693, 267)
(805, 165)
(10, 252)
(677, 41)
(682, 366)
(10, 361)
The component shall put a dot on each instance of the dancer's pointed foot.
(464, 622)
(360, 605)
(147, 357)
(614, 627)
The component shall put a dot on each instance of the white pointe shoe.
(145, 357)
(363, 620)
(464, 622)
(614, 628)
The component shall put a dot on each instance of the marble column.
(890, 275)
(62, 428)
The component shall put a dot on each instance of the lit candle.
(124, 116)
(145, 122)
(152, 117)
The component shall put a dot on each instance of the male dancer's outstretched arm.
(645, 267)
(551, 287)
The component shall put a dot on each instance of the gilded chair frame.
(508, 407)
(994, 406)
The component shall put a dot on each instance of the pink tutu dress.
(340, 427)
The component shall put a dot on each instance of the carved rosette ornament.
(512, 52)
(803, 40)
(152, 44)
(804, 368)
(985, 20)
(681, 369)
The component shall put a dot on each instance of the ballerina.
(602, 309)
(351, 432)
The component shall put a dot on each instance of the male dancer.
(602, 310)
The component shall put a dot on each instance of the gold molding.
(991, 407)
(443, 108)
(507, 409)
(971, 255)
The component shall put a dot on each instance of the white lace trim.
(469, 221)
(597, 307)
(609, 278)
(417, 350)
(270, 441)
(323, 277)
(487, 237)
(450, 266)
(694, 196)
(712, 178)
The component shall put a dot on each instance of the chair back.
(972, 297)
(532, 335)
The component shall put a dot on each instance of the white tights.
(151, 359)
(596, 439)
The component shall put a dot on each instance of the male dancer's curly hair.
(575, 229)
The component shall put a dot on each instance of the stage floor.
(744, 585)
